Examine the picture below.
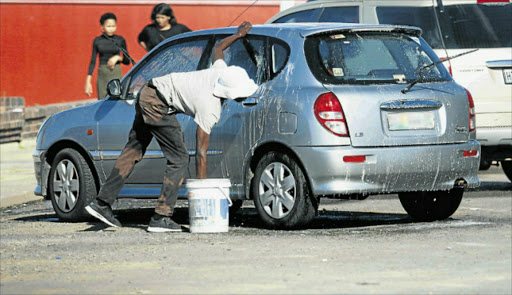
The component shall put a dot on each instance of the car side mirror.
(114, 88)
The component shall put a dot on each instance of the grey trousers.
(151, 120)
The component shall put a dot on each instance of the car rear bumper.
(389, 169)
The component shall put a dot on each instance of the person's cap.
(234, 83)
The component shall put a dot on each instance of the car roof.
(309, 29)
(333, 3)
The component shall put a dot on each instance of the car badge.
(461, 129)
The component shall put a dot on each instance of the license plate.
(411, 121)
(507, 75)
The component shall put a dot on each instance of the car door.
(241, 123)
(116, 115)
(229, 138)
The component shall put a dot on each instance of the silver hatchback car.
(342, 111)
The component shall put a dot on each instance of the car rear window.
(421, 17)
(462, 26)
(343, 14)
(304, 16)
(477, 26)
(371, 58)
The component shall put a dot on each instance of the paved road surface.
(356, 247)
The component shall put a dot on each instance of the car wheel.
(281, 193)
(485, 165)
(71, 185)
(507, 168)
(430, 206)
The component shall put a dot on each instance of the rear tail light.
(472, 120)
(329, 113)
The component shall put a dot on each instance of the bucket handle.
(227, 197)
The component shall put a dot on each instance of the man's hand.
(244, 28)
(218, 50)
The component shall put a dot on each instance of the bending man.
(198, 94)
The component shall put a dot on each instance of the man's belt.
(161, 97)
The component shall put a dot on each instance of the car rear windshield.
(371, 58)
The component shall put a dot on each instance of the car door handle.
(250, 101)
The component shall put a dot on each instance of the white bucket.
(208, 204)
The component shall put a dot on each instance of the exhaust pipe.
(460, 183)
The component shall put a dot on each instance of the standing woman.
(164, 26)
(110, 56)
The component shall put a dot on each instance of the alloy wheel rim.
(277, 190)
(66, 185)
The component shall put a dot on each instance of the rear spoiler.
(410, 30)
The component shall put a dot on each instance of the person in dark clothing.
(110, 56)
(164, 26)
(198, 94)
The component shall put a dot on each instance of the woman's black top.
(106, 49)
(151, 34)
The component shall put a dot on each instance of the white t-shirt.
(191, 93)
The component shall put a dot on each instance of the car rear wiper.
(429, 66)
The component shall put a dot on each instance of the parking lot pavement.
(17, 180)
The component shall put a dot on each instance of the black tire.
(484, 165)
(507, 168)
(430, 206)
(269, 192)
(71, 185)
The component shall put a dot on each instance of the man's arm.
(202, 142)
(203, 138)
(218, 50)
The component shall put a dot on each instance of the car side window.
(177, 57)
(249, 54)
(346, 14)
(422, 17)
(280, 54)
(304, 16)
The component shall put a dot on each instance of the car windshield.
(372, 58)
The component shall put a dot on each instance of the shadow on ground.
(244, 218)
(493, 186)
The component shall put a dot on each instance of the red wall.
(46, 48)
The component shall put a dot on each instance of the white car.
(450, 27)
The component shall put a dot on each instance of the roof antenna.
(242, 12)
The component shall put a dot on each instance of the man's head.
(234, 83)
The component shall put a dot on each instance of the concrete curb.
(21, 198)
